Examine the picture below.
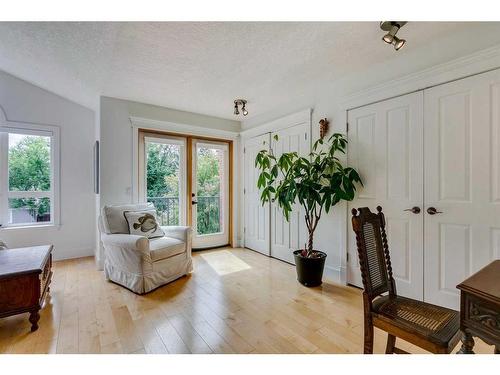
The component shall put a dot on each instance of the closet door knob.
(433, 211)
(413, 210)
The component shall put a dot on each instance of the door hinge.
(244, 191)
(347, 257)
(244, 150)
(347, 127)
(305, 136)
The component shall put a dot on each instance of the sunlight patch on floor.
(224, 262)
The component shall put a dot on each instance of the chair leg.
(368, 344)
(391, 342)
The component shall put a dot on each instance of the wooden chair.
(430, 327)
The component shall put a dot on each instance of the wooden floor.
(236, 301)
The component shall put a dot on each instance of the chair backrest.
(113, 219)
(373, 252)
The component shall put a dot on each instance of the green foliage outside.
(29, 170)
(208, 180)
(162, 180)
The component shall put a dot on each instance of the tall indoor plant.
(317, 182)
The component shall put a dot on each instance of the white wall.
(117, 150)
(75, 237)
(334, 98)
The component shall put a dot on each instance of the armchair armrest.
(182, 233)
(126, 241)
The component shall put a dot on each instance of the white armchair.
(136, 262)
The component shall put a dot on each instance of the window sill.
(41, 226)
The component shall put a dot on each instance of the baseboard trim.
(80, 253)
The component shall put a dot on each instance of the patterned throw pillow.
(143, 223)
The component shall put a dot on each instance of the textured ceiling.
(202, 67)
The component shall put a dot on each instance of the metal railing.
(167, 209)
(208, 210)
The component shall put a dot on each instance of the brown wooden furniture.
(480, 308)
(25, 276)
(430, 327)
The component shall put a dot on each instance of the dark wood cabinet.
(480, 308)
(25, 276)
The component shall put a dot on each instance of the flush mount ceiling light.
(392, 27)
(242, 103)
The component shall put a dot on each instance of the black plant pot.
(309, 270)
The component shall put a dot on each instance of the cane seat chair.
(431, 327)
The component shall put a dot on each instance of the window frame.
(51, 131)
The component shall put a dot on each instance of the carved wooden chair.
(430, 327)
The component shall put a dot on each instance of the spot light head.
(398, 43)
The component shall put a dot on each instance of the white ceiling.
(203, 67)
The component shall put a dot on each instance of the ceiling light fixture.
(392, 27)
(238, 102)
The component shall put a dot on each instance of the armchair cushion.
(113, 219)
(165, 247)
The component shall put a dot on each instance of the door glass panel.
(209, 174)
(164, 180)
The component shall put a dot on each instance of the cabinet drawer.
(483, 316)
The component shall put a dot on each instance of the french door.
(210, 193)
(431, 159)
(188, 181)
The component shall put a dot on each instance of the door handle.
(433, 211)
(414, 210)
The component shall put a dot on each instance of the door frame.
(142, 133)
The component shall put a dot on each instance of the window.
(29, 175)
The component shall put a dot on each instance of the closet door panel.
(288, 236)
(461, 183)
(385, 146)
(257, 216)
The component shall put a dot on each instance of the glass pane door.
(210, 187)
(165, 178)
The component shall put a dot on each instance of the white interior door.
(287, 236)
(210, 194)
(462, 182)
(257, 216)
(386, 146)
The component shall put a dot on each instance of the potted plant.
(317, 183)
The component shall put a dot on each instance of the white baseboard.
(79, 253)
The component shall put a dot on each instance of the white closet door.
(462, 181)
(385, 146)
(288, 236)
(257, 216)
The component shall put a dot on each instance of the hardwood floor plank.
(252, 304)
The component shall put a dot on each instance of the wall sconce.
(323, 127)
(242, 103)
(392, 27)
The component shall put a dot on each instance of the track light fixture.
(392, 27)
(242, 103)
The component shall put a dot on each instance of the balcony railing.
(208, 210)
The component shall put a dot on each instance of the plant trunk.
(310, 243)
